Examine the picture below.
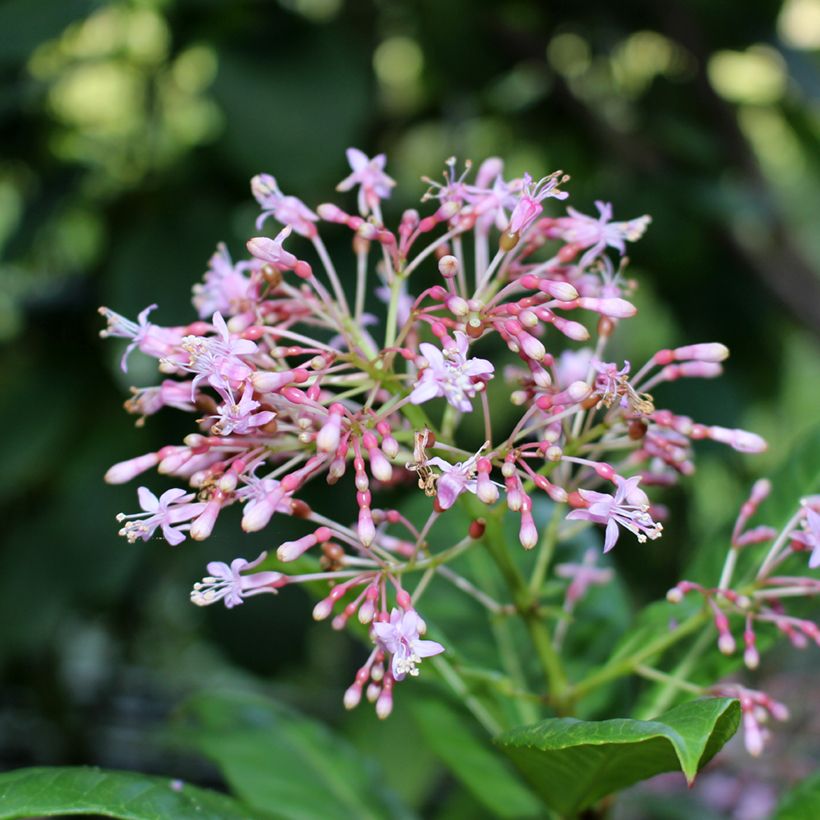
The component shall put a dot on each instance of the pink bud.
(740, 440)
(327, 439)
(706, 352)
(379, 465)
(384, 704)
(265, 381)
(563, 291)
(331, 213)
(527, 534)
(366, 529)
(124, 471)
(613, 307)
(353, 694)
(323, 609)
(572, 330)
(203, 526)
(531, 347)
(752, 736)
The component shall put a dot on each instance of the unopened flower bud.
(448, 266)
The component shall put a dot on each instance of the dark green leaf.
(802, 802)
(487, 775)
(282, 762)
(46, 792)
(574, 763)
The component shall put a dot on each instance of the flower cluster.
(293, 381)
(742, 602)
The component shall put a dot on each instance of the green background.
(128, 134)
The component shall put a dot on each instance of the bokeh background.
(128, 134)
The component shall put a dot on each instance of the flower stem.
(626, 666)
(478, 709)
(545, 551)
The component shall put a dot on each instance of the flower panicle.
(292, 381)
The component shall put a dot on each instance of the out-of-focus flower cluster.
(292, 381)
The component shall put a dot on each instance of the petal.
(450, 486)
(433, 355)
(357, 159)
(426, 649)
(462, 344)
(410, 624)
(172, 536)
(219, 324)
(611, 535)
(479, 367)
(172, 495)
(219, 569)
(148, 501)
(425, 390)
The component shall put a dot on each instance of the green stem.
(626, 666)
(545, 552)
(527, 607)
(393, 310)
(670, 681)
(663, 696)
(478, 709)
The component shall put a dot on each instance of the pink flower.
(226, 287)
(149, 338)
(400, 637)
(289, 210)
(529, 206)
(572, 366)
(451, 374)
(583, 576)
(809, 535)
(239, 417)
(628, 507)
(263, 497)
(216, 358)
(224, 583)
(172, 507)
(271, 250)
(368, 174)
(455, 479)
(596, 234)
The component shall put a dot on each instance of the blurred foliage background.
(128, 133)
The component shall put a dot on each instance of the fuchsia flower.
(627, 508)
(455, 479)
(597, 234)
(451, 374)
(271, 250)
(172, 508)
(216, 358)
(289, 210)
(149, 338)
(582, 576)
(224, 583)
(298, 347)
(529, 207)
(809, 535)
(226, 289)
(400, 636)
(368, 174)
(239, 417)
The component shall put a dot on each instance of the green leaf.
(487, 775)
(573, 763)
(802, 802)
(283, 762)
(46, 792)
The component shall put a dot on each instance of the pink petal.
(611, 535)
(148, 501)
(426, 649)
